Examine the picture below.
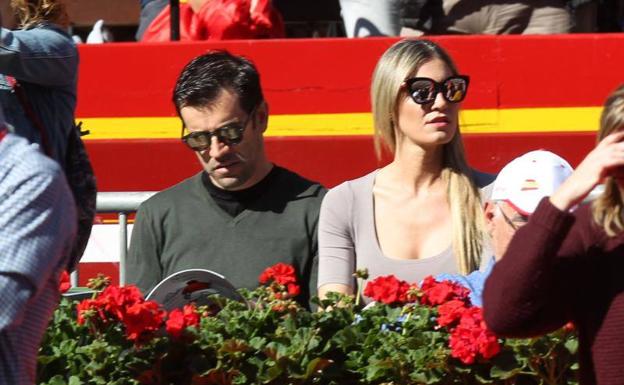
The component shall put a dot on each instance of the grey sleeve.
(143, 267)
(15, 303)
(38, 223)
(37, 228)
(336, 243)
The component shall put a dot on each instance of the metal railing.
(121, 203)
(174, 19)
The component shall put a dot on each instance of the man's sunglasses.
(230, 134)
(425, 90)
(518, 221)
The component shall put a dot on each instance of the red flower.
(191, 317)
(293, 289)
(450, 312)
(141, 318)
(180, 319)
(282, 280)
(85, 307)
(388, 290)
(115, 299)
(436, 293)
(126, 305)
(175, 323)
(64, 283)
(281, 273)
(471, 338)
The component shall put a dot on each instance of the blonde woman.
(38, 63)
(421, 214)
(564, 266)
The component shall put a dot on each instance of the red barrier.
(332, 76)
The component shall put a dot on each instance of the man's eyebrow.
(233, 122)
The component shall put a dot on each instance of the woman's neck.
(423, 167)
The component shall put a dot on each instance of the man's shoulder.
(297, 186)
(23, 160)
(173, 195)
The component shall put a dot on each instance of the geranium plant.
(428, 334)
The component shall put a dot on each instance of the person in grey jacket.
(37, 228)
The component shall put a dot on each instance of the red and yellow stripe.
(485, 121)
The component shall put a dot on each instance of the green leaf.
(572, 345)
(57, 380)
(506, 366)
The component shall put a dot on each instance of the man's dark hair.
(203, 79)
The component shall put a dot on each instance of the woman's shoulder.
(352, 191)
(357, 185)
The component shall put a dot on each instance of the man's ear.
(262, 116)
(488, 213)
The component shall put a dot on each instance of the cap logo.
(529, 184)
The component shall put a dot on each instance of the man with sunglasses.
(518, 189)
(241, 213)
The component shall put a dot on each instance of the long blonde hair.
(607, 209)
(400, 61)
(31, 13)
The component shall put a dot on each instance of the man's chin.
(227, 182)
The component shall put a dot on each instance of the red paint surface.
(333, 75)
(92, 269)
(147, 165)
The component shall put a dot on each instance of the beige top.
(348, 239)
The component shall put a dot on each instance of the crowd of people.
(242, 212)
(526, 242)
(257, 19)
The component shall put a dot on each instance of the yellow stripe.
(517, 120)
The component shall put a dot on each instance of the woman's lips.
(438, 119)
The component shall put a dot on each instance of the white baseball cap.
(524, 181)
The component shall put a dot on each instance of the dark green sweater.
(182, 228)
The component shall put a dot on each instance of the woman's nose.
(439, 103)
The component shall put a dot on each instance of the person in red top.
(219, 20)
(569, 266)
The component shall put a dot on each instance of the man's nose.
(217, 147)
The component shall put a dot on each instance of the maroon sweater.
(562, 267)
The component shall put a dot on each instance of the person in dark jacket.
(567, 266)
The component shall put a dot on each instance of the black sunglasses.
(230, 134)
(425, 90)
